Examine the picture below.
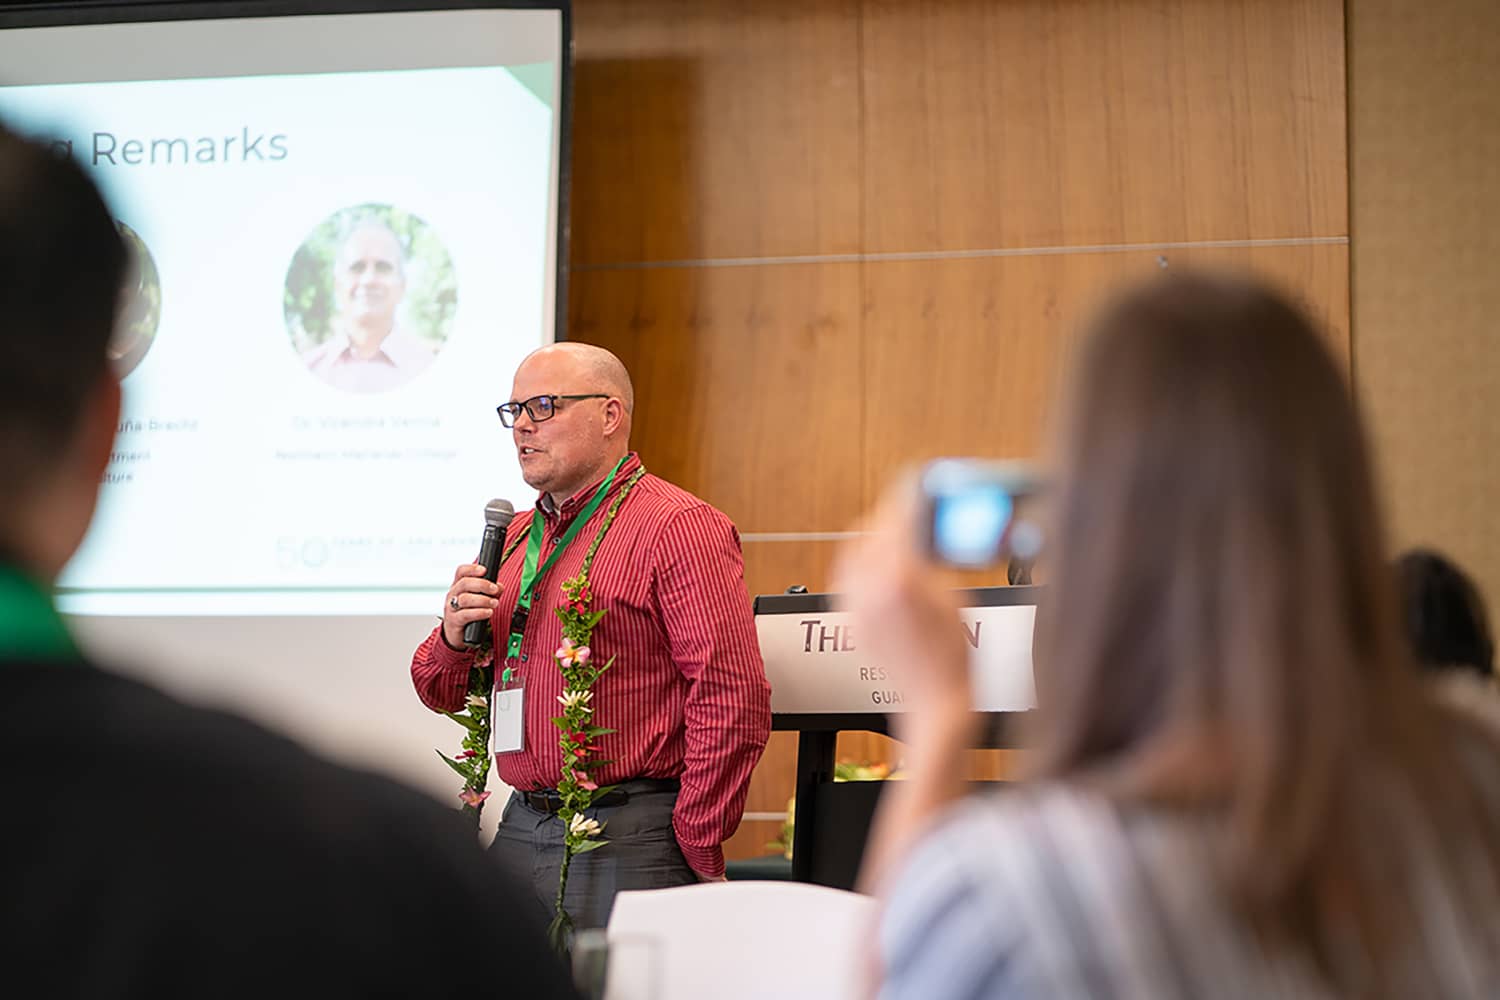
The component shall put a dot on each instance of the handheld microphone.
(497, 517)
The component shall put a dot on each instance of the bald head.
(587, 433)
(596, 369)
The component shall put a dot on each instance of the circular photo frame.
(140, 305)
(370, 298)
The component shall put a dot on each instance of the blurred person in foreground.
(1446, 623)
(152, 849)
(1449, 631)
(1239, 788)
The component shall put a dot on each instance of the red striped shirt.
(687, 692)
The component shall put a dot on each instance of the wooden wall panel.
(747, 383)
(872, 748)
(1425, 178)
(771, 567)
(714, 129)
(965, 356)
(714, 138)
(1035, 123)
(771, 788)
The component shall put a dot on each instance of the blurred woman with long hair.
(1238, 786)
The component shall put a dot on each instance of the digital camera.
(975, 512)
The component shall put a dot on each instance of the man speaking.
(686, 696)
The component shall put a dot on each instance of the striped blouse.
(1051, 892)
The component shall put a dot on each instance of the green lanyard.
(29, 625)
(530, 574)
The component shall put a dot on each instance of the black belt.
(548, 800)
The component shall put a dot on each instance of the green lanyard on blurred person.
(30, 627)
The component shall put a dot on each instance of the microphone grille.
(498, 512)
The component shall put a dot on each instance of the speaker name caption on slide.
(122, 465)
(126, 461)
(328, 450)
(366, 423)
(366, 454)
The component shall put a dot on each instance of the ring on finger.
(453, 603)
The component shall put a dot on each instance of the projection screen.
(285, 504)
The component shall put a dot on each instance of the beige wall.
(1424, 151)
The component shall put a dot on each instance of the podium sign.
(815, 665)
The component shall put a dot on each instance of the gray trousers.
(642, 853)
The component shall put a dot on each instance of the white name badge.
(507, 719)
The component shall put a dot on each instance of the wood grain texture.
(748, 383)
(714, 129)
(965, 357)
(1425, 176)
(861, 748)
(771, 567)
(771, 788)
(1034, 123)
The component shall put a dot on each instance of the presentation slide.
(337, 263)
(344, 235)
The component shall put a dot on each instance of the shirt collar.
(397, 350)
(572, 504)
(30, 627)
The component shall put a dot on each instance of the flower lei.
(472, 763)
(578, 733)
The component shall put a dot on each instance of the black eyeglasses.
(540, 408)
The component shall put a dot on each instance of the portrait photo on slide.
(370, 298)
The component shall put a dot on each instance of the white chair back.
(743, 941)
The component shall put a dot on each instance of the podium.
(821, 685)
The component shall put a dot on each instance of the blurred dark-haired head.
(1446, 623)
(61, 267)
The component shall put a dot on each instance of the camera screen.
(969, 524)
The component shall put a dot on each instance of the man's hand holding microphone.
(474, 595)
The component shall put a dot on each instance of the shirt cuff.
(445, 657)
(706, 861)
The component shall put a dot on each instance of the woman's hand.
(907, 622)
